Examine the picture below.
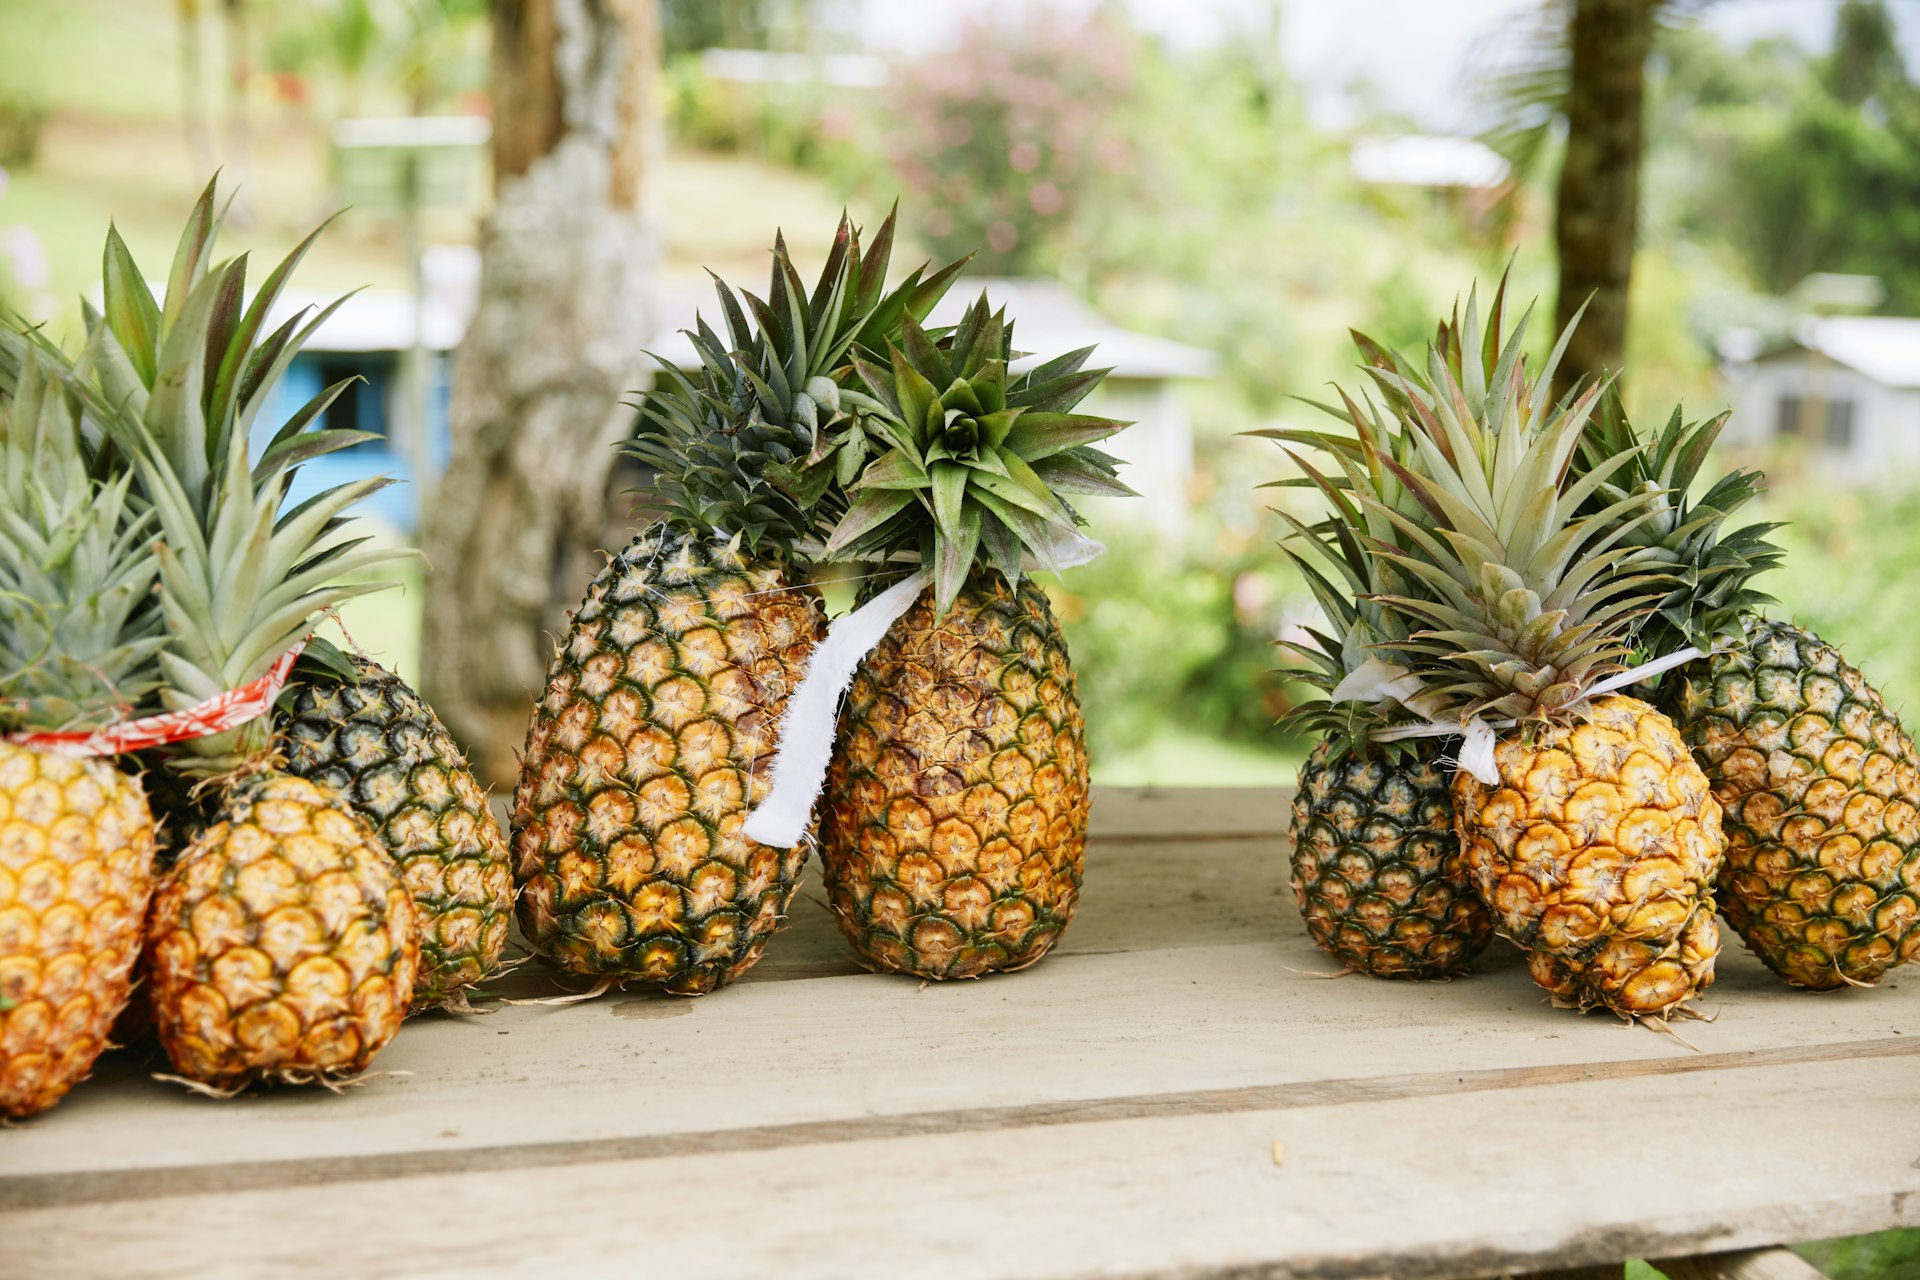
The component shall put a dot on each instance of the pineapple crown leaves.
(78, 631)
(975, 458)
(140, 356)
(175, 387)
(1361, 628)
(1712, 566)
(762, 442)
(1522, 596)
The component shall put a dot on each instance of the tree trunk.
(239, 160)
(1598, 208)
(193, 106)
(514, 527)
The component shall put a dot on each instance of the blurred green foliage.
(1178, 635)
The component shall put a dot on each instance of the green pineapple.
(1819, 781)
(1377, 870)
(364, 733)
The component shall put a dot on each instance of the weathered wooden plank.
(1074, 1029)
(1518, 1179)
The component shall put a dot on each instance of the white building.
(1843, 397)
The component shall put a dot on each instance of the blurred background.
(1212, 190)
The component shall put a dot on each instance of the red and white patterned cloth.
(217, 714)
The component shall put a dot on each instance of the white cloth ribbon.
(1374, 680)
(813, 713)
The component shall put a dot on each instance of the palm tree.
(1582, 66)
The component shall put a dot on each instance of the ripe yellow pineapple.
(957, 800)
(283, 943)
(659, 723)
(176, 384)
(76, 647)
(1591, 833)
(957, 803)
(650, 745)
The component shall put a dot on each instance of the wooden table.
(1180, 1090)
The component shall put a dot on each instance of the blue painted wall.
(397, 505)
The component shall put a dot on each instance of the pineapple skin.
(377, 744)
(1377, 868)
(282, 944)
(1821, 788)
(954, 834)
(76, 874)
(653, 740)
(1597, 854)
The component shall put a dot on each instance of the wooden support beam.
(1741, 1264)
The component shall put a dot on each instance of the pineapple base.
(1821, 787)
(283, 944)
(1597, 854)
(1377, 868)
(654, 738)
(76, 873)
(954, 831)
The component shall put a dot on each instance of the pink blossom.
(1024, 156)
(1002, 236)
(1046, 199)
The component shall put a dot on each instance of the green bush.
(1168, 637)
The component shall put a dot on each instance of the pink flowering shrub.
(997, 144)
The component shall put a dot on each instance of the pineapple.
(1376, 869)
(1819, 782)
(370, 738)
(957, 798)
(659, 721)
(282, 944)
(1594, 840)
(1822, 791)
(77, 645)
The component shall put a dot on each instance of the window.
(1833, 421)
(1839, 424)
(1788, 424)
(361, 405)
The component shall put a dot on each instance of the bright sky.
(1415, 53)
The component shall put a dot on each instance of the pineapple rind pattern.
(377, 744)
(1377, 869)
(76, 873)
(1597, 854)
(954, 833)
(1821, 787)
(282, 944)
(655, 737)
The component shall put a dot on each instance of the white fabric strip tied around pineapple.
(813, 712)
(1376, 680)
